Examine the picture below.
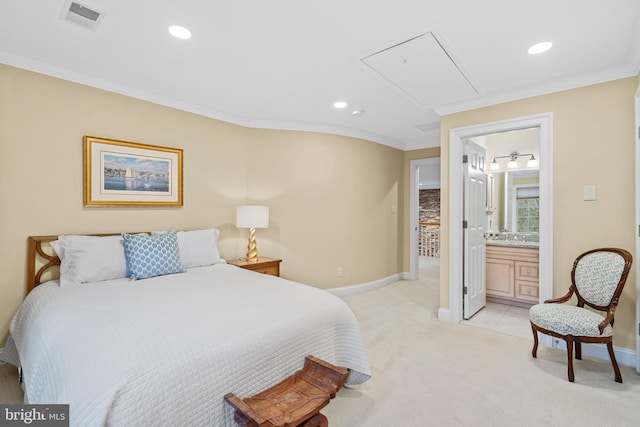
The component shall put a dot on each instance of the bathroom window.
(528, 209)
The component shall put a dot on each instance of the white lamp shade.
(252, 217)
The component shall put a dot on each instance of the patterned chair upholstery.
(597, 279)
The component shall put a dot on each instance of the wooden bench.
(294, 402)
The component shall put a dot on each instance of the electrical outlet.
(339, 271)
(589, 192)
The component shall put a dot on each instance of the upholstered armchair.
(597, 279)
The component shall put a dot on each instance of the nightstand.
(262, 265)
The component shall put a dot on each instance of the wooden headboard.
(42, 262)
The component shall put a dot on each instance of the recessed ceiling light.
(179, 32)
(340, 104)
(539, 48)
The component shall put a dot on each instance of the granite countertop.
(513, 243)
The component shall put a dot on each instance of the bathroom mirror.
(513, 201)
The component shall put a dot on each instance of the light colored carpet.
(430, 373)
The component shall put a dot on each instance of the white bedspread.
(164, 351)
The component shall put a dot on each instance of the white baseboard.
(364, 287)
(369, 286)
(624, 356)
(444, 315)
(408, 276)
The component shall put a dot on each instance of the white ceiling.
(282, 64)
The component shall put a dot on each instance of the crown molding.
(80, 78)
(556, 85)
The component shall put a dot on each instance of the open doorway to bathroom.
(457, 137)
(512, 230)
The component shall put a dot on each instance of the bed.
(164, 350)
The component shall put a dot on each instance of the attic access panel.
(422, 70)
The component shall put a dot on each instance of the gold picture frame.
(121, 173)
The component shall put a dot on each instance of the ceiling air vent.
(81, 15)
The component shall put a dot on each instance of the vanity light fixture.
(513, 161)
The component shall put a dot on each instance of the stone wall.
(429, 206)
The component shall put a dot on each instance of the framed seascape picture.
(120, 173)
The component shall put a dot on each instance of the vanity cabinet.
(512, 273)
(500, 278)
(526, 281)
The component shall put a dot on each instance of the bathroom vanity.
(512, 272)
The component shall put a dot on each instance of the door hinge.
(465, 158)
(464, 290)
(464, 223)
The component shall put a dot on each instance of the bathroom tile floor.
(507, 319)
(503, 318)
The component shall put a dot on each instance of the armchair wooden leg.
(569, 340)
(616, 370)
(578, 350)
(534, 351)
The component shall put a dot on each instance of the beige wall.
(593, 144)
(333, 205)
(330, 196)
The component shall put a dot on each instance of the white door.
(474, 227)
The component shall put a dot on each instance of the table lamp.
(252, 217)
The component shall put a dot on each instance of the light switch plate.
(589, 192)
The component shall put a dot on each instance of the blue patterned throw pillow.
(150, 256)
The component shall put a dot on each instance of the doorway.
(425, 176)
(509, 209)
(455, 236)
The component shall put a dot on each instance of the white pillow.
(198, 248)
(85, 259)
